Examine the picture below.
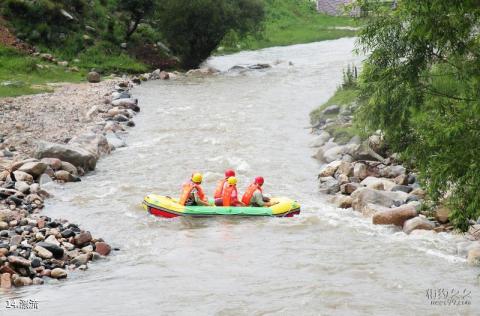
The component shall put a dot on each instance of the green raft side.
(242, 211)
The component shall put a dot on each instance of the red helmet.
(259, 180)
(229, 173)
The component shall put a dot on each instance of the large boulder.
(345, 168)
(349, 188)
(417, 223)
(34, 168)
(363, 196)
(95, 143)
(395, 216)
(71, 153)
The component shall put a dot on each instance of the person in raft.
(222, 184)
(192, 193)
(230, 193)
(253, 196)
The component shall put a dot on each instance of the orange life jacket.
(228, 199)
(247, 196)
(219, 190)
(187, 190)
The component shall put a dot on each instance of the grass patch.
(343, 97)
(291, 22)
(346, 98)
(23, 74)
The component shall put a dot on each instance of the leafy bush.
(421, 86)
(193, 29)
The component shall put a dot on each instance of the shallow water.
(325, 261)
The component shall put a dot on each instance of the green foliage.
(20, 74)
(292, 22)
(105, 58)
(135, 11)
(421, 86)
(350, 76)
(194, 28)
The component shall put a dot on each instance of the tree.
(135, 11)
(421, 86)
(194, 28)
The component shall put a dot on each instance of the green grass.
(343, 97)
(20, 74)
(293, 22)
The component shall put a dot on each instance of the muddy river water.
(324, 262)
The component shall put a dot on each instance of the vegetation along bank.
(401, 142)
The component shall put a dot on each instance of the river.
(325, 261)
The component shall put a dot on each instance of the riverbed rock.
(402, 188)
(23, 176)
(360, 171)
(114, 141)
(473, 257)
(58, 273)
(5, 281)
(34, 168)
(22, 281)
(332, 109)
(22, 186)
(66, 176)
(6, 215)
(395, 216)
(82, 238)
(329, 185)
(378, 183)
(349, 188)
(442, 214)
(102, 248)
(417, 223)
(321, 139)
(19, 261)
(393, 171)
(130, 103)
(80, 260)
(73, 154)
(56, 250)
(42, 252)
(329, 170)
(343, 201)
(70, 168)
(95, 143)
(53, 163)
(93, 77)
(401, 179)
(363, 196)
(345, 168)
(419, 192)
(474, 232)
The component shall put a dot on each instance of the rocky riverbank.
(55, 137)
(363, 175)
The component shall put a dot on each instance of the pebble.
(83, 238)
(102, 248)
(22, 281)
(58, 273)
(42, 252)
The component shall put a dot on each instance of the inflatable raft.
(164, 206)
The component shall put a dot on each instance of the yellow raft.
(168, 207)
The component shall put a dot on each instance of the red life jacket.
(219, 190)
(228, 199)
(187, 190)
(247, 196)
